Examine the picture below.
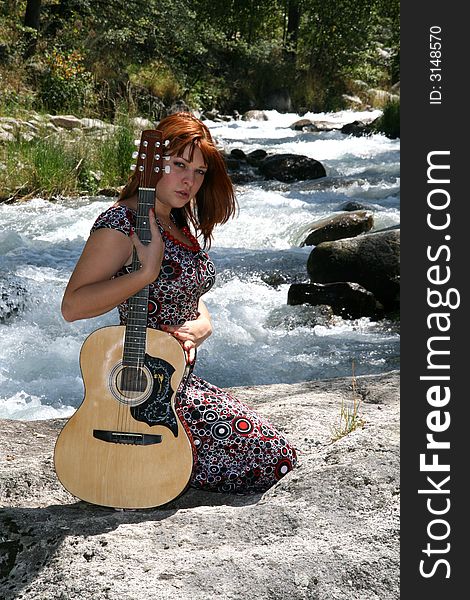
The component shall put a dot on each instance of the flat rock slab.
(328, 530)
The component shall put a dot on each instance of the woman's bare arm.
(91, 291)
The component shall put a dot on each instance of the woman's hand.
(191, 334)
(151, 254)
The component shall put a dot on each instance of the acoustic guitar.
(125, 446)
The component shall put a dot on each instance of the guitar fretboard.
(135, 336)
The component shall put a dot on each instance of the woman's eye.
(201, 172)
(178, 163)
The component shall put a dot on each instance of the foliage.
(389, 122)
(41, 166)
(67, 165)
(65, 83)
(95, 55)
(113, 155)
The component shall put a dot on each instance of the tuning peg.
(133, 167)
(157, 144)
(135, 154)
(167, 143)
(143, 156)
(157, 156)
(136, 142)
(167, 169)
(156, 169)
(166, 157)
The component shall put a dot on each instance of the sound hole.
(130, 380)
(130, 385)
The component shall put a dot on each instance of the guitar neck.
(135, 336)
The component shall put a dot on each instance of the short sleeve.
(120, 218)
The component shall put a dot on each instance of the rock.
(353, 102)
(255, 115)
(142, 124)
(357, 128)
(178, 106)
(389, 228)
(93, 124)
(303, 125)
(255, 156)
(372, 260)
(325, 125)
(232, 164)
(379, 98)
(12, 298)
(329, 529)
(6, 136)
(238, 154)
(211, 114)
(337, 227)
(291, 167)
(352, 205)
(348, 300)
(65, 121)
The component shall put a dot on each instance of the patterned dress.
(236, 449)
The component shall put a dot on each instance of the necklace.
(169, 226)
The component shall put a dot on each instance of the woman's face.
(175, 189)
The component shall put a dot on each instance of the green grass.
(349, 418)
(65, 164)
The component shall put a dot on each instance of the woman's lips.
(183, 194)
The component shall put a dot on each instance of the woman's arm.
(91, 291)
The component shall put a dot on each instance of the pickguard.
(157, 409)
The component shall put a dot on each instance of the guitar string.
(133, 380)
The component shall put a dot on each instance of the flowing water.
(257, 338)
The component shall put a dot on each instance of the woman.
(236, 449)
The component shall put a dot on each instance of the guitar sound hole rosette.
(130, 385)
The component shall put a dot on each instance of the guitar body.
(125, 446)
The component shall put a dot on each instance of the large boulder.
(329, 529)
(291, 167)
(372, 260)
(336, 227)
(348, 300)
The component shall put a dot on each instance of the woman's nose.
(188, 176)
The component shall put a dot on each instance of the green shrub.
(65, 83)
(389, 122)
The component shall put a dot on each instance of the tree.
(32, 19)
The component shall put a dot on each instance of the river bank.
(328, 530)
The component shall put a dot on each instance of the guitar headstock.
(150, 157)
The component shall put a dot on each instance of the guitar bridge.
(125, 437)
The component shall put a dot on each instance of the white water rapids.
(257, 338)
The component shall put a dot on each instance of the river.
(257, 338)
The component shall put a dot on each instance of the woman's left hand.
(191, 334)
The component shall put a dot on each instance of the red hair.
(215, 201)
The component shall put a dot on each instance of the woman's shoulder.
(119, 216)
